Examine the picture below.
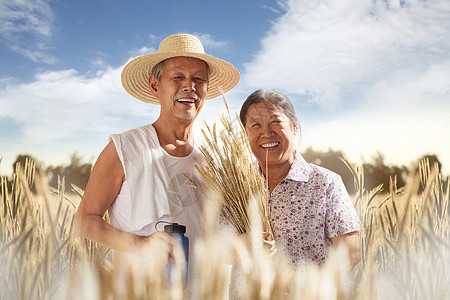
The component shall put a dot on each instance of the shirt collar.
(300, 169)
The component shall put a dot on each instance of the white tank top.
(121, 211)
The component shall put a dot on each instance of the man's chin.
(189, 116)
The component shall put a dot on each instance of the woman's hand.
(269, 245)
(245, 238)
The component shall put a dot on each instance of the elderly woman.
(310, 210)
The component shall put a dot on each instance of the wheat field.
(405, 250)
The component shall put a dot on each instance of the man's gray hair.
(157, 70)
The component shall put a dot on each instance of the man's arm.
(352, 241)
(102, 189)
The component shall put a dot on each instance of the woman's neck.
(275, 173)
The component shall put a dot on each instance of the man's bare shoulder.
(108, 163)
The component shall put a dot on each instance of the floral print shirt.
(307, 209)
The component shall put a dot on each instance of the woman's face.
(271, 133)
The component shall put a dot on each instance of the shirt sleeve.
(341, 215)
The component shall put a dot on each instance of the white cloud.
(152, 37)
(34, 55)
(209, 42)
(381, 67)
(141, 51)
(63, 111)
(146, 50)
(25, 19)
(325, 49)
(402, 90)
(33, 16)
(60, 104)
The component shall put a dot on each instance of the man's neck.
(175, 137)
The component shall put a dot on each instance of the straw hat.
(223, 75)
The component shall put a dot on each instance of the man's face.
(182, 87)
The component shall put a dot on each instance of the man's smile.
(186, 100)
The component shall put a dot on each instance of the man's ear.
(153, 85)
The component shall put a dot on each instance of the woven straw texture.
(223, 77)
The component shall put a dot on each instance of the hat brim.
(223, 75)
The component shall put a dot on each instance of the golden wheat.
(405, 246)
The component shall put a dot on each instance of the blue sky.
(364, 75)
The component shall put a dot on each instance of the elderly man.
(138, 177)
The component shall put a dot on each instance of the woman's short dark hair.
(275, 98)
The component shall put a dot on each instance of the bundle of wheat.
(232, 174)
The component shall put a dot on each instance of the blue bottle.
(177, 232)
